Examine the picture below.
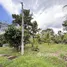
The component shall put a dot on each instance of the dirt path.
(8, 56)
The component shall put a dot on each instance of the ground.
(52, 55)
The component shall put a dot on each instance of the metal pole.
(22, 40)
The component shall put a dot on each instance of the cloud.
(50, 17)
(10, 6)
(56, 30)
(48, 13)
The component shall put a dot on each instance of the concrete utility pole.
(22, 40)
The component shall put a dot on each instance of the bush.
(13, 36)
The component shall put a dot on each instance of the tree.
(56, 39)
(13, 36)
(60, 37)
(65, 38)
(48, 38)
(47, 35)
(43, 35)
(34, 30)
(50, 31)
(17, 20)
(65, 25)
(30, 28)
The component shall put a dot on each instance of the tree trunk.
(33, 42)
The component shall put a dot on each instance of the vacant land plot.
(53, 55)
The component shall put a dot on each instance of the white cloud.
(50, 17)
(57, 29)
(36, 5)
(46, 15)
(10, 6)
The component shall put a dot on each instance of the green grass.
(8, 51)
(31, 61)
(4, 62)
(47, 56)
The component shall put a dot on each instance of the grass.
(8, 51)
(47, 56)
(30, 61)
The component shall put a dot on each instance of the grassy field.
(53, 55)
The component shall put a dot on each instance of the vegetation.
(65, 25)
(48, 56)
(27, 24)
(43, 48)
(9, 51)
(2, 40)
(13, 37)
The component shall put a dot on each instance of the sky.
(47, 13)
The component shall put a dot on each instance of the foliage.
(30, 28)
(35, 46)
(60, 37)
(34, 30)
(13, 36)
(65, 25)
(56, 39)
(39, 38)
(2, 40)
(65, 38)
(17, 19)
(47, 35)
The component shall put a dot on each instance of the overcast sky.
(48, 13)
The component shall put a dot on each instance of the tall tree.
(17, 19)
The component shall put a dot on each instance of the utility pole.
(22, 39)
